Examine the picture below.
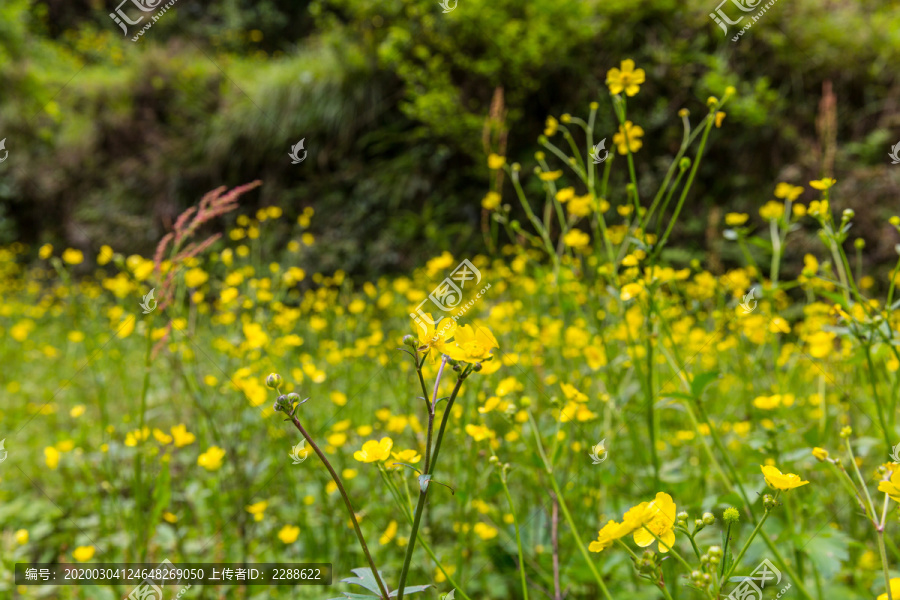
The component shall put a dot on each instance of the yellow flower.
(771, 210)
(22, 537)
(572, 393)
(484, 531)
(289, 534)
(479, 432)
(211, 460)
(77, 411)
(577, 239)
(779, 480)
(550, 175)
(658, 518)
(170, 517)
(472, 344)
(389, 534)
(258, 509)
(634, 133)
(822, 184)
(632, 290)
(51, 456)
(565, 194)
(787, 191)
(373, 451)
(606, 536)
(627, 78)
(435, 335)
(106, 255)
(182, 436)
(410, 457)
(490, 201)
(495, 161)
(720, 116)
(162, 437)
(195, 278)
(736, 219)
(891, 488)
(551, 127)
(72, 256)
(83, 553)
(895, 590)
(46, 251)
(820, 453)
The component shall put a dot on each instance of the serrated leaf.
(411, 589)
(364, 578)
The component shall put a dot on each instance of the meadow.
(609, 424)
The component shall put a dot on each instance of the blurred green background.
(109, 139)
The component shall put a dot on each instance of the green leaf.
(364, 578)
(699, 383)
(411, 589)
(827, 551)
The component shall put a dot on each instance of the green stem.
(740, 555)
(340, 486)
(423, 493)
(512, 510)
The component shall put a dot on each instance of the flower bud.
(683, 113)
(595, 105)
(731, 515)
(684, 164)
(565, 118)
(821, 454)
(698, 524)
(769, 502)
(708, 518)
(846, 432)
(682, 516)
(410, 341)
(273, 381)
(859, 243)
(715, 551)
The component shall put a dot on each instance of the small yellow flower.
(891, 487)
(577, 239)
(51, 457)
(627, 78)
(195, 278)
(162, 437)
(211, 460)
(182, 436)
(895, 590)
(550, 175)
(634, 133)
(479, 432)
(83, 553)
(565, 194)
(22, 537)
(786, 191)
(491, 201)
(736, 219)
(720, 116)
(258, 509)
(289, 534)
(170, 517)
(373, 451)
(821, 454)
(822, 184)
(484, 531)
(495, 161)
(472, 344)
(606, 536)
(409, 457)
(106, 255)
(771, 210)
(779, 480)
(551, 127)
(72, 256)
(46, 251)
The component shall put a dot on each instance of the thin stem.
(884, 563)
(423, 490)
(340, 486)
(512, 510)
(740, 555)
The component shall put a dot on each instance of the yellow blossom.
(627, 78)
(779, 480)
(373, 451)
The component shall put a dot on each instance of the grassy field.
(608, 424)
